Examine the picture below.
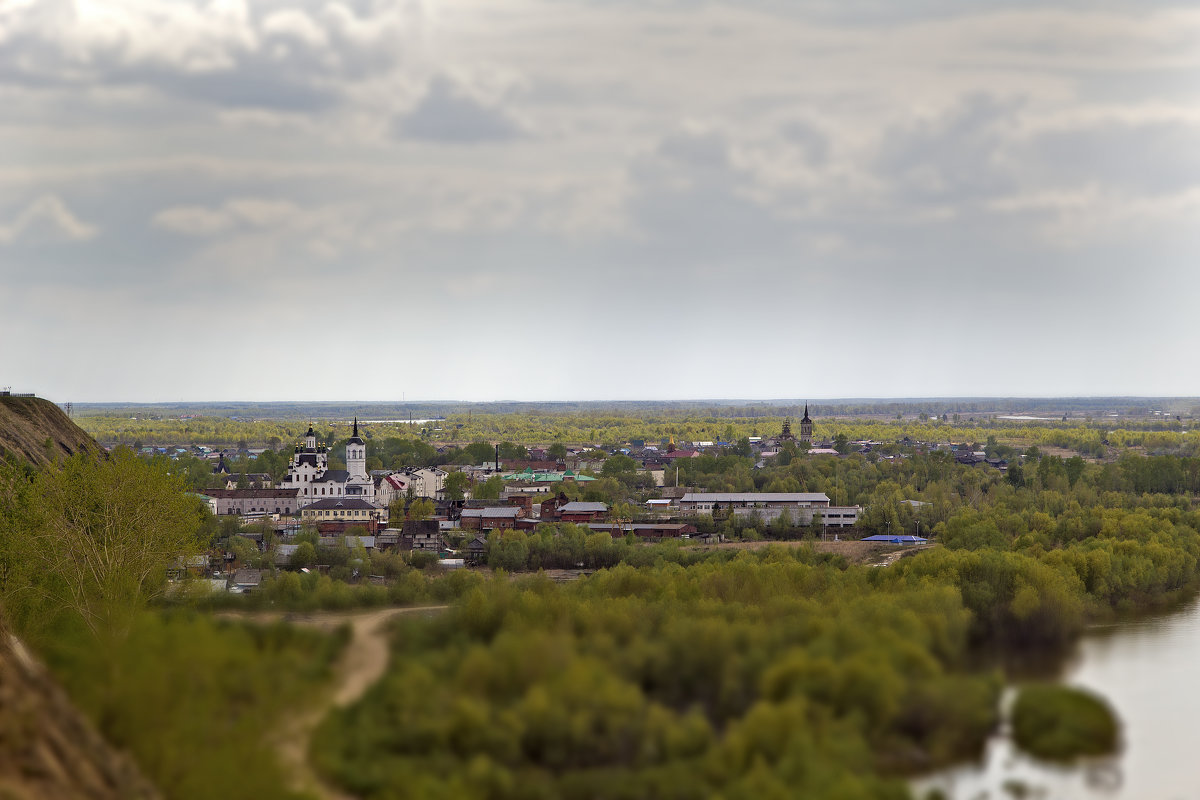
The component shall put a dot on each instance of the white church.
(309, 471)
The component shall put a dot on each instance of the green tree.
(421, 509)
(1015, 475)
(508, 550)
(396, 512)
(618, 466)
(513, 452)
(245, 551)
(455, 485)
(103, 534)
(1075, 467)
(476, 453)
(489, 489)
(305, 555)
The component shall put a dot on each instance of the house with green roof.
(545, 476)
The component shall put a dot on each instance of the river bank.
(1145, 667)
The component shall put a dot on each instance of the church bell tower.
(356, 454)
(806, 426)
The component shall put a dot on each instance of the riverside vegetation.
(773, 673)
(671, 671)
(1059, 723)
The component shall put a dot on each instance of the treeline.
(898, 495)
(568, 546)
(680, 673)
(764, 675)
(1094, 439)
(297, 591)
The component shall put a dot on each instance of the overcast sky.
(594, 199)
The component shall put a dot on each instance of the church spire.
(356, 424)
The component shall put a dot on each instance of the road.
(360, 665)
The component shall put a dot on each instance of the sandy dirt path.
(361, 664)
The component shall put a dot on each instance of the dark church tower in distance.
(806, 426)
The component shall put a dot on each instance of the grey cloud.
(692, 208)
(959, 156)
(1151, 157)
(449, 113)
(811, 139)
(802, 202)
(252, 86)
(881, 13)
(1139, 87)
(697, 150)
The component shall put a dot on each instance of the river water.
(1149, 671)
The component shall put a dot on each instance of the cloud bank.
(785, 199)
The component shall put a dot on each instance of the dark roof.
(253, 477)
(249, 493)
(756, 497)
(343, 503)
(250, 577)
(333, 476)
(354, 437)
(675, 527)
(307, 458)
(494, 511)
(581, 507)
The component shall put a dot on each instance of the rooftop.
(756, 497)
(494, 511)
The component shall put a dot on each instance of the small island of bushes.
(1060, 723)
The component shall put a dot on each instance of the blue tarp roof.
(906, 539)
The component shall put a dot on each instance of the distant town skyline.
(540, 201)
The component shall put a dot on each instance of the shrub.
(1059, 723)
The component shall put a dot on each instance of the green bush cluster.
(296, 591)
(762, 675)
(198, 701)
(1060, 723)
(569, 546)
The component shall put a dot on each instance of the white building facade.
(309, 473)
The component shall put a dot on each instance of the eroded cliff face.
(37, 431)
(48, 749)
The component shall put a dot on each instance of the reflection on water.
(1149, 670)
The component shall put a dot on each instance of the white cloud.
(193, 221)
(295, 24)
(221, 52)
(47, 218)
